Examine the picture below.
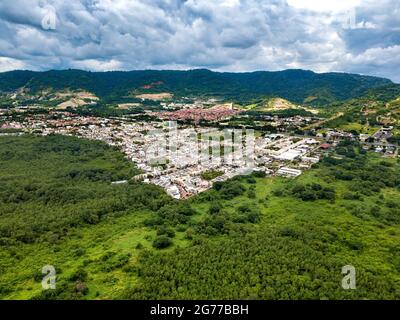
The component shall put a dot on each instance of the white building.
(289, 155)
(289, 172)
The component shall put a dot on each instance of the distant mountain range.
(299, 86)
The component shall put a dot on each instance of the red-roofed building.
(325, 146)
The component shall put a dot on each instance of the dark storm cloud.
(234, 35)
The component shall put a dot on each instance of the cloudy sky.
(358, 36)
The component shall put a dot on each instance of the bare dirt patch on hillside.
(155, 96)
(279, 104)
(75, 99)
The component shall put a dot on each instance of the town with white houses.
(177, 157)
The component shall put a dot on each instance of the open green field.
(249, 238)
(359, 128)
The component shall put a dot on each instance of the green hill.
(298, 86)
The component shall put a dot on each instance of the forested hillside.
(250, 237)
(295, 85)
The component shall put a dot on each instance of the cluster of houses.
(288, 155)
(215, 113)
(188, 103)
(377, 142)
(176, 157)
(279, 122)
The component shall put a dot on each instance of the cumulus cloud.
(98, 65)
(8, 64)
(326, 5)
(360, 36)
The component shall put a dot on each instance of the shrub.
(168, 231)
(231, 189)
(215, 208)
(79, 275)
(314, 191)
(162, 242)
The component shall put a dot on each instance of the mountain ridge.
(296, 85)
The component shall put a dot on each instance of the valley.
(165, 190)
